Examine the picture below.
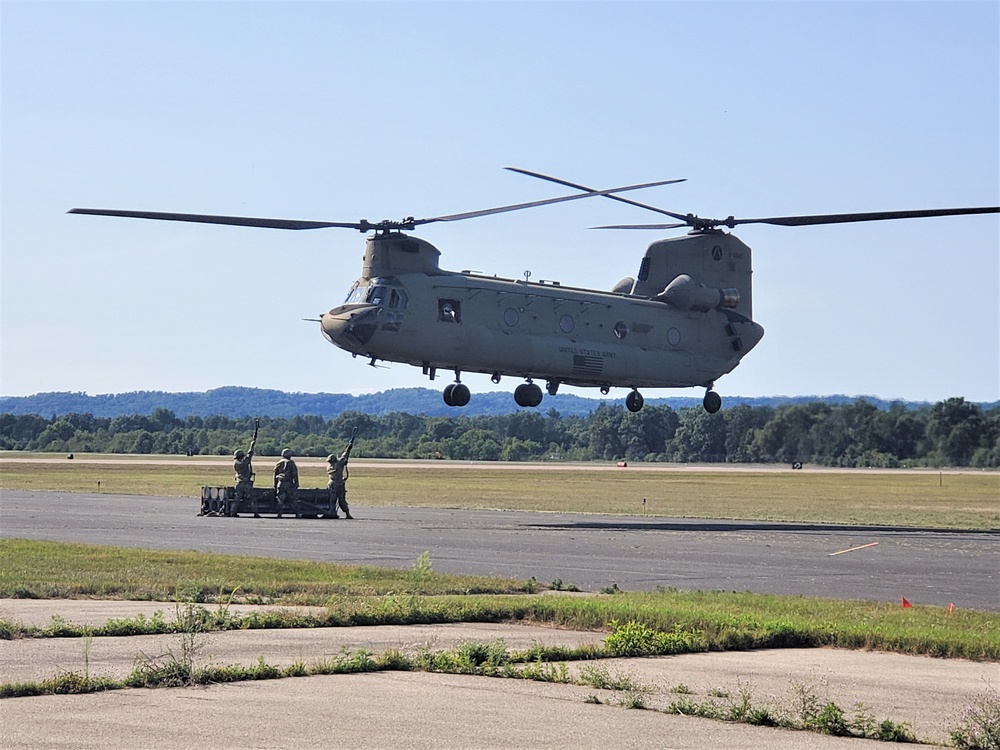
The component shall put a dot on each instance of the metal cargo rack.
(221, 501)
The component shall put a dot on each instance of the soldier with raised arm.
(336, 470)
(243, 466)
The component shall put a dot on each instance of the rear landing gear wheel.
(527, 394)
(712, 402)
(634, 401)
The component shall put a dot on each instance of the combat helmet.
(239, 455)
(286, 453)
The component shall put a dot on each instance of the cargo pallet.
(221, 501)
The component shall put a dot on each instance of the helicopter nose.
(350, 326)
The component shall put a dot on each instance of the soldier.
(338, 474)
(286, 481)
(243, 466)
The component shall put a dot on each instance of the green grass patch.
(51, 570)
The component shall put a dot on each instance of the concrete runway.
(425, 710)
(927, 566)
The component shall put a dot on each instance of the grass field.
(931, 499)
(355, 595)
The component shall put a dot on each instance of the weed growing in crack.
(979, 728)
(540, 672)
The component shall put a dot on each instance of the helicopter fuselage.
(404, 308)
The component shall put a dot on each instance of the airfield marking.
(852, 549)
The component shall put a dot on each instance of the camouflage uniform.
(243, 466)
(286, 481)
(337, 472)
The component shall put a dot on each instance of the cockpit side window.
(397, 299)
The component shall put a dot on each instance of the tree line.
(953, 432)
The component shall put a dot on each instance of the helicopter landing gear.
(634, 400)
(527, 394)
(456, 394)
(712, 401)
(605, 390)
(495, 378)
(552, 387)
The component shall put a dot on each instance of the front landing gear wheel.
(634, 401)
(712, 402)
(456, 394)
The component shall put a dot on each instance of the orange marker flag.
(906, 604)
(951, 607)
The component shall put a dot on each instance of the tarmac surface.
(423, 710)
(590, 551)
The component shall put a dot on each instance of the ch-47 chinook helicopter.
(685, 320)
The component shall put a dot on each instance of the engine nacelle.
(685, 293)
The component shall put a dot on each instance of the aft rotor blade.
(612, 197)
(590, 193)
(798, 221)
(240, 221)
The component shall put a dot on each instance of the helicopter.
(684, 320)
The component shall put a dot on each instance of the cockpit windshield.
(357, 295)
(382, 292)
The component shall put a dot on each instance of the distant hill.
(233, 401)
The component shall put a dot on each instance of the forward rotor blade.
(798, 221)
(590, 193)
(240, 221)
(612, 197)
(676, 225)
(363, 225)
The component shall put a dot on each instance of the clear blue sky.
(343, 111)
